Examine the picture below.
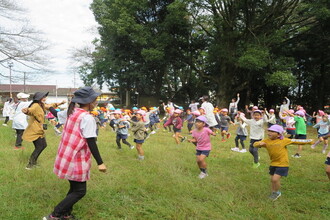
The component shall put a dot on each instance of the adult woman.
(73, 160)
(20, 119)
(35, 130)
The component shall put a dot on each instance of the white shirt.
(62, 115)
(256, 128)
(234, 106)
(19, 118)
(88, 126)
(7, 109)
(209, 114)
(194, 106)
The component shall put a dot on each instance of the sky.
(66, 25)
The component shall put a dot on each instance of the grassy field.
(165, 184)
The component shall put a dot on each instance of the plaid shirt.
(73, 160)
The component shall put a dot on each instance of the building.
(55, 94)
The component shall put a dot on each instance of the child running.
(177, 123)
(225, 120)
(201, 138)
(289, 123)
(139, 129)
(121, 126)
(276, 146)
(256, 133)
(241, 134)
(323, 130)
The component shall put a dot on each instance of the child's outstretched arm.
(259, 144)
(193, 140)
(301, 141)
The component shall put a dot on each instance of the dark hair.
(205, 98)
(71, 108)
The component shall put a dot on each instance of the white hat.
(22, 95)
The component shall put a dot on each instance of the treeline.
(182, 49)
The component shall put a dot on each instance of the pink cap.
(291, 111)
(202, 118)
(141, 112)
(224, 110)
(271, 110)
(255, 107)
(300, 113)
(321, 113)
(178, 111)
(196, 113)
(277, 128)
(116, 112)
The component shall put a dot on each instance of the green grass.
(165, 185)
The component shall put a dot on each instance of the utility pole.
(10, 65)
(24, 79)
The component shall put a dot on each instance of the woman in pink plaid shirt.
(78, 143)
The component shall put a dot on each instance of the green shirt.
(300, 125)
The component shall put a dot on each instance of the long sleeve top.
(241, 129)
(256, 128)
(233, 106)
(323, 127)
(286, 106)
(175, 121)
(271, 118)
(138, 129)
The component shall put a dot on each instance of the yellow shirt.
(277, 150)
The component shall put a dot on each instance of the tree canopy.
(182, 49)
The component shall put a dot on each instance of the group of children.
(291, 123)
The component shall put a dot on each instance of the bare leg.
(275, 181)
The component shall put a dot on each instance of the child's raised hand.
(102, 168)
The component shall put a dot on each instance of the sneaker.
(228, 135)
(313, 146)
(236, 149)
(132, 147)
(69, 217)
(30, 167)
(274, 195)
(153, 132)
(50, 217)
(323, 151)
(243, 151)
(140, 157)
(296, 156)
(223, 140)
(202, 175)
(256, 165)
(183, 139)
(18, 148)
(5, 125)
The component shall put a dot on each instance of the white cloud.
(65, 24)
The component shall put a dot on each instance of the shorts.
(204, 152)
(122, 136)
(146, 125)
(291, 131)
(138, 141)
(321, 135)
(176, 130)
(223, 128)
(300, 136)
(327, 161)
(104, 120)
(282, 171)
(240, 137)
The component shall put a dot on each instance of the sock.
(203, 170)
(325, 147)
(316, 143)
(141, 157)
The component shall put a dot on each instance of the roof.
(31, 89)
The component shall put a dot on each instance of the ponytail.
(71, 108)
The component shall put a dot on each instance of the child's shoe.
(243, 151)
(202, 175)
(323, 151)
(296, 155)
(256, 165)
(50, 217)
(183, 139)
(236, 149)
(132, 147)
(275, 195)
(228, 135)
(153, 132)
(70, 217)
(223, 140)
